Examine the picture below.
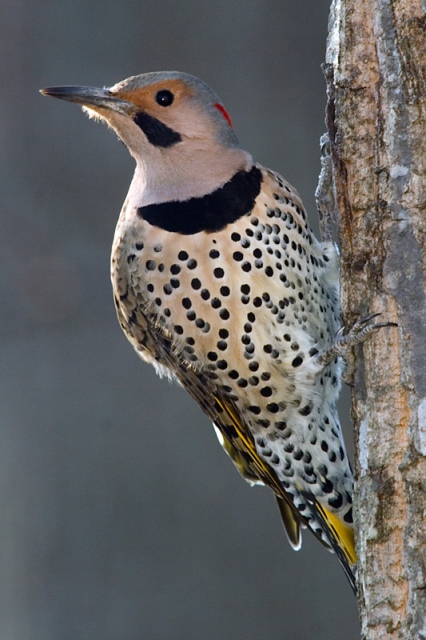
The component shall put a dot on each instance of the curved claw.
(359, 323)
(359, 332)
(340, 333)
(366, 319)
(377, 325)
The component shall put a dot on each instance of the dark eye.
(164, 98)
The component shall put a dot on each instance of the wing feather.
(238, 442)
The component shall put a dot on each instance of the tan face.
(144, 98)
(174, 126)
(176, 104)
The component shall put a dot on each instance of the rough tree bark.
(376, 118)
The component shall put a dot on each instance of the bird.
(220, 283)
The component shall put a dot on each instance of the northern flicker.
(220, 283)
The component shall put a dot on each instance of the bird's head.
(173, 124)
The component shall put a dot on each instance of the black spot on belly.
(265, 424)
(254, 409)
(348, 516)
(281, 425)
(298, 455)
(266, 392)
(205, 294)
(306, 410)
(326, 486)
(195, 283)
(336, 501)
(273, 407)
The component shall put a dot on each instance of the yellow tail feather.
(342, 532)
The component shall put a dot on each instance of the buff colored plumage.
(220, 283)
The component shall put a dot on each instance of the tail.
(340, 536)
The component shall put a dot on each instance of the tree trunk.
(376, 118)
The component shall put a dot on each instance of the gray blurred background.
(121, 517)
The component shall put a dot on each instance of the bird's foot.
(344, 343)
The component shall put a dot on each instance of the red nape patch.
(224, 113)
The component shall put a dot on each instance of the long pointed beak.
(90, 97)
